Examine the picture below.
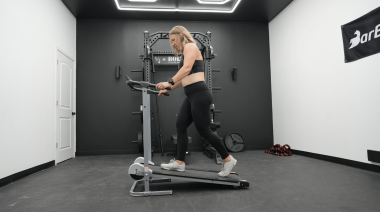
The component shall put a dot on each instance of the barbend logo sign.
(361, 37)
(365, 37)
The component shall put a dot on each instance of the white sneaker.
(227, 167)
(174, 166)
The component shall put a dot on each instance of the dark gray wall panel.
(104, 104)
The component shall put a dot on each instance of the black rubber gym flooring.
(102, 183)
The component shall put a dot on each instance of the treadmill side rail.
(231, 183)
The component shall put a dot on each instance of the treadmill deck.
(208, 176)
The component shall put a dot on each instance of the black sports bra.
(198, 66)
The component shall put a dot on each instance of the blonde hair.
(184, 37)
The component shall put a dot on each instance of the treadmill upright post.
(146, 136)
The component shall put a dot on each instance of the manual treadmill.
(143, 169)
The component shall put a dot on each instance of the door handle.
(74, 113)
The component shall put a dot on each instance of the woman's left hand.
(162, 85)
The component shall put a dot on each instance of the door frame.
(74, 102)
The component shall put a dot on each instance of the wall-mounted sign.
(361, 37)
(165, 60)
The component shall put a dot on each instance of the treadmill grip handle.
(165, 94)
(156, 92)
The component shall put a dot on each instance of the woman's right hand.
(162, 92)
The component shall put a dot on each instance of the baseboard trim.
(356, 164)
(14, 177)
(107, 152)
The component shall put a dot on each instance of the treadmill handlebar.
(147, 85)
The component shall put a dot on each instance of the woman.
(196, 107)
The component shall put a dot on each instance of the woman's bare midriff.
(193, 78)
(196, 77)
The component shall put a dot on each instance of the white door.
(64, 108)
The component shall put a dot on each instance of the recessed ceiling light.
(181, 10)
(213, 2)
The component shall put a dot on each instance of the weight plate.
(234, 142)
(140, 141)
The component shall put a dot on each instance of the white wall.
(321, 104)
(30, 33)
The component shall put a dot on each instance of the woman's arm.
(176, 85)
(173, 87)
(190, 53)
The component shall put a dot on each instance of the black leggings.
(196, 107)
